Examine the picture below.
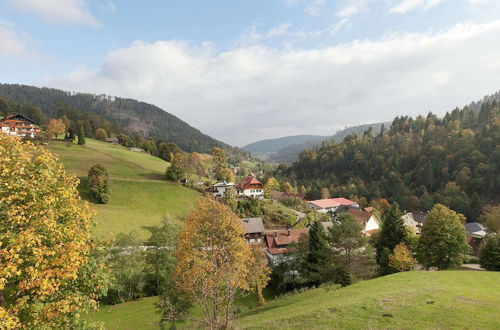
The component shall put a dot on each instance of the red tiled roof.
(278, 240)
(248, 181)
(361, 216)
(332, 202)
(369, 209)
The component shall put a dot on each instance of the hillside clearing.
(139, 194)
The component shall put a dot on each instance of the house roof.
(248, 181)
(253, 225)
(223, 184)
(417, 216)
(15, 114)
(361, 216)
(369, 209)
(278, 240)
(475, 229)
(332, 202)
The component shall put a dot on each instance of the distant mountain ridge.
(274, 145)
(288, 148)
(142, 118)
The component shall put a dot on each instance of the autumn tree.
(259, 271)
(56, 127)
(81, 134)
(213, 259)
(176, 170)
(401, 259)
(220, 164)
(271, 186)
(442, 240)
(101, 134)
(491, 218)
(46, 277)
(98, 183)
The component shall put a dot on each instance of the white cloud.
(314, 7)
(13, 43)
(57, 11)
(476, 3)
(352, 7)
(409, 5)
(254, 92)
(252, 35)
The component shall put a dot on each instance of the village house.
(254, 230)
(414, 220)
(250, 187)
(331, 204)
(277, 242)
(475, 234)
(371, 224)
(18, 125)
(220, 189)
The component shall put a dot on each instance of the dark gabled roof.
(14, 115)
(253, 225)
(417, 216)
(474, 227)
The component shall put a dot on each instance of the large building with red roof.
(250, 187)
(331, 204)
(18, 125)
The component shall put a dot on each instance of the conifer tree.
(318, 253)
(391, 234)
(81, 134)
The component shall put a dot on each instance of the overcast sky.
(245, 70)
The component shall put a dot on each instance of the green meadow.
(139, 194)
(411, 300)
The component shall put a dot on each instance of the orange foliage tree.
(213, 259)
(56, 127)
(46, 273)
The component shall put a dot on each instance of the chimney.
(289, 232)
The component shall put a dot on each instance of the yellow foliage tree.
(213, 259)
(401, 259)
(258, 271)
(56, 127)
(271, 185)
(44, 240)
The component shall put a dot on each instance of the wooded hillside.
(454, 160)
(144, 119)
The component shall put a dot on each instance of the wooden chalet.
(18, 125)
(250, 187)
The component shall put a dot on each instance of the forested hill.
(142, 118)
(454, 160)
(274, 145)
(291, 152)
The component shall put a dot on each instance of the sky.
(246, 70)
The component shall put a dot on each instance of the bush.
(98, 183)
(101, 134)
(489, 256)
(401, 259)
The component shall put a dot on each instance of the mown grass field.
(412, 300)
(139, 194)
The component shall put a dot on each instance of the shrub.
(489, 256)
(98, 183)
(401, 259)
(101, 134)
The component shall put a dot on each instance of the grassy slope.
(461, 299)
(139, 196)
(452, 299)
